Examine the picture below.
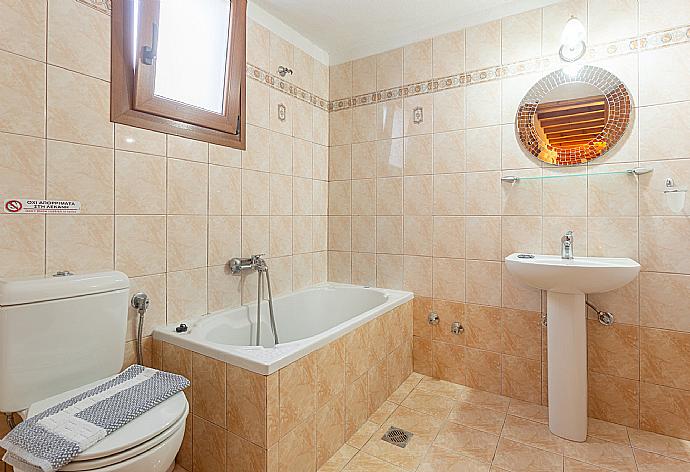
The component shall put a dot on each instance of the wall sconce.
(573, 45)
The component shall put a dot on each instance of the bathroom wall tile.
(364, 75)
(449, 152)
(186, 242)
(523, 199)
(187, 192)
(320, 126)
(417, 60)
(449, 236)
(422, 356)
(377, 379)
(255, 193)
(22, 245)
(418, 195)
(662, 15)
(22, 167)
(449, 110)
(364, 161)
(483, 193)
(521, 333)
(25, 28)
(243, 455)
(302, 234)
(79, 243)
(516, 294)
(554, 18)
(276, 123)
(389, 196)
(224, 288)
(208, 377)
(448, 312)
(603, 237)
(483, 102)
(23, 88)
(613, 351)
(417, 235)
(449, 198)
(521, 36)
(302, 158)
(611, 20)
(413, 105)
(521, 234)
(363, 268)
(449, 279)
(389, 271)
(417, 275)
(614, 399)
(389, 158)
(183, 289)
(389, 119)
(483, 327)
(483, 149)
(340, 161)
(611, 195)
(259, 38)
(302, 271)
(483, 282)
(660, 249)
(483, 237)
(364, 197)
(418, 155)
(340, 127)
(449, 54)
(659, 305)
(303, 121)
(78, 108)
(140, 183)
(566, 196)
(512, 155)
(330, 429)
(298, 386)
(339, 267)
(389, 234)
(330, 372)
(521, 378)
(389, 69)
(187, 149)
(658, 82)
(319, 162)
(320, 261)
(280, 236)
(246, 404)
(154, 286)
(364, 234)
(664, 357)
(280, 153)
(513, 90)
(356, 354)
(356, 405)
(483, 45)
(555, 227)
(340, 198)
(258, 104)
(225, 190)
(304, 69)
(340, 233)
(140, 245)
(256, 156)
(653, 201)
(340, 81)
(664, 410)
(280, 194)
(281, 53)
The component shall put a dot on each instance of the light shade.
(573, 44)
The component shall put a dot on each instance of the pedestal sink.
(567, 281)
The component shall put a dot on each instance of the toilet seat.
(136, 437)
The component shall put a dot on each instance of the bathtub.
(306, 320)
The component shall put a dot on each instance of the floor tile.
(485, 399)
(478, 417)
(363, 462)
(438, 459)
(571, 465)
(339, 459)
(609, 431)
(605, 454)
(429, 403)
(360, 438)
(471, 442)
(664, 445)
(424, 429)
(529, 411)
(649, 462)
(405, 388)
(532, 434)
(440, 387)
(516, 457)
(384, 411)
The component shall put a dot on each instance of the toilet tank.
(59, 333)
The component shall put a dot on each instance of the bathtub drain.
(397, 437)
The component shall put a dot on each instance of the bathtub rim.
(266, 361)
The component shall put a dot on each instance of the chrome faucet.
(567, 245)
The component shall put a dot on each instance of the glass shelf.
(635, 171)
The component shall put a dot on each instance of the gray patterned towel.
(49, 440)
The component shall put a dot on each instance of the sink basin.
(579, 275)
(567, 281)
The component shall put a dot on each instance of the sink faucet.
(567, 245)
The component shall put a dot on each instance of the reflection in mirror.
(567, 120)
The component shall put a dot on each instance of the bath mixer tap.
(567, 245)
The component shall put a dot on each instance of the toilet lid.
(141, 429)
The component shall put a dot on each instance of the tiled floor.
(459, 429)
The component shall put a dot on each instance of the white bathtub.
(306, 320)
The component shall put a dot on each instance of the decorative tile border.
(645, 42)
(103, 6)
(281, 85)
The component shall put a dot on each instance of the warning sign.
(21, 205)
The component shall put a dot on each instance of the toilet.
(62, 335)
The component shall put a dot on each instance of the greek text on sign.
(22, 205)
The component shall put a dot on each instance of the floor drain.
(397, 437)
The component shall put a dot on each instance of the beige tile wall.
(167, 211)
(295, 419)
(422, 207)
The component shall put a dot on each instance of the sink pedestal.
(567, 361)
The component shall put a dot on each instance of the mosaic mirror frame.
(618, 101)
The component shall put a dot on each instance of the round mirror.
(568, 119)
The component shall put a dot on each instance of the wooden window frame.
(141, 110)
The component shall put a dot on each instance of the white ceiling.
(349, 29)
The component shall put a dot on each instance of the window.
(178, 67)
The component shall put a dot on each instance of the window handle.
(148, 53)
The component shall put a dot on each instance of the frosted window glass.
(192, 52)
